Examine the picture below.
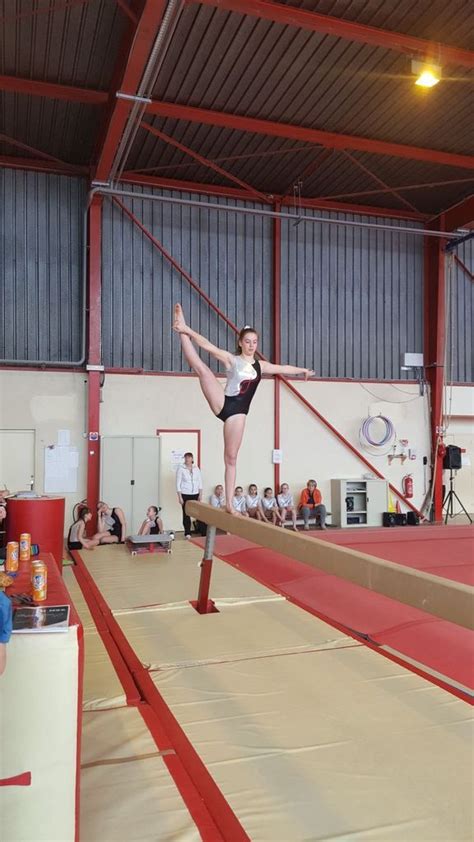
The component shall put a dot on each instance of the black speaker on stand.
(452, 458)
(452, 462)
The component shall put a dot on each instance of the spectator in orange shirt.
(311, 504)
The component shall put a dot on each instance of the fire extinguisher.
(407, 485)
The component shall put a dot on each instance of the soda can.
(25, 546)
(39, 581)
(11, 565)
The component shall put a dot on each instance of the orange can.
(39, 581)
(25, 546)
(11, 565)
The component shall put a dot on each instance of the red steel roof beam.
(12, 141)
(379, 181)
(17, 85)
(15, 162)
(464, 267)
(248, 124)
(400, 187)
(204, 161)
(331, 140)
(348, 30)
(459, 215)
(144, 37)
(234, 192)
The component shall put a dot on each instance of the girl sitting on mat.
(231, 404)
(253, 502)
(112, 525)
(270, 508)
(77, 538)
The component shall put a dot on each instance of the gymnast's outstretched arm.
(271, 368)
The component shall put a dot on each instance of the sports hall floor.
(305, 708)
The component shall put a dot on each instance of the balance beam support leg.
(203, 606)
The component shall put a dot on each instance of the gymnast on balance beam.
(243, 373)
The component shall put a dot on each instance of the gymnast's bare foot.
(231, 511)
(179, 325)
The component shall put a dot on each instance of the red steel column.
(276, 339)
(94, 358)
(435, 342)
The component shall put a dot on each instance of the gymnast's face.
(249, 343)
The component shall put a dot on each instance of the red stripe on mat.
(207, 805)
(132, 695)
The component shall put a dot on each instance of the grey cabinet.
(358, 502)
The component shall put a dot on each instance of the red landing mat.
(446, 551)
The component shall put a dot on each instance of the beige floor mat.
(127, 792)
(179, 636)
(128, 581)
(339, 744)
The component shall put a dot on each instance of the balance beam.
(441, 597)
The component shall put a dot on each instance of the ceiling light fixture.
(428, 75)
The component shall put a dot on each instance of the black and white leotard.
(242, 381)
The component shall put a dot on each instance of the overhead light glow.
(428, 75)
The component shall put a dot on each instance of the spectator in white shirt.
(217, 499)
(286, 504)
(253, 502)
(188, 487)
(238, 501)
(270, 508)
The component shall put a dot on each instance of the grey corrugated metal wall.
(228, 255)
(40, 266)
(460, 315)
(352, 298)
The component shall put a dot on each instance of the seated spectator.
(112, 526)
(77, 538)
(311, 504)
(152, 525)
(270, 508)
(218, 498)
(238, 501)
(253, 503)
(286, 504)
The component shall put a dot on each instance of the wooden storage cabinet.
(358, 502)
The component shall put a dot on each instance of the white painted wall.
(139, 404)
(47, 402)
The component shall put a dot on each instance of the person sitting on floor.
(217, 500)
(311, 504)
(152, 525)
(77, 538)
(112, 526)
